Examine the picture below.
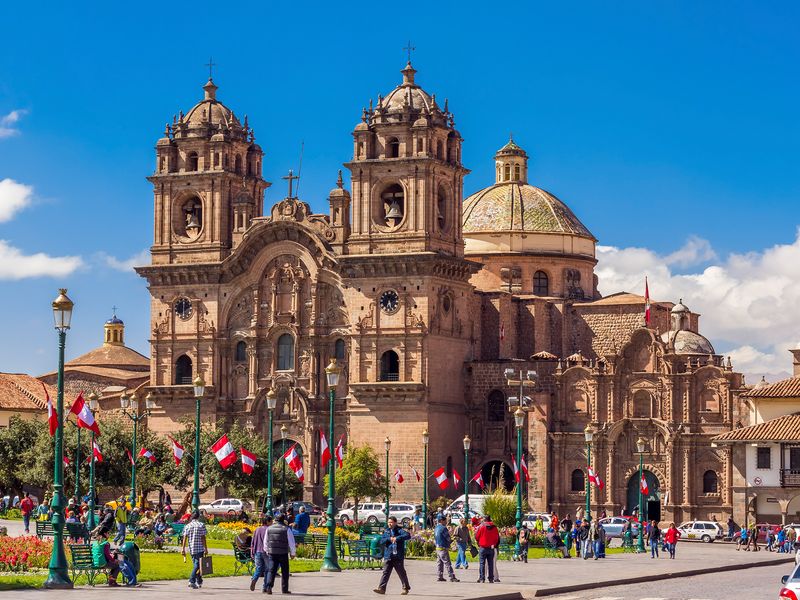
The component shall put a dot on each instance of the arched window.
(642, 404)
(191, 161)
(577, 482)
(496, 407)
(393, 200)
(241, 352)
(439, 149)
(441, 209)
(710, 482)
(238, 163)
(392, 148)
(390, 366)
(541, 284)
(517, 173)
(183, 370)
(507, 173)
(338, 350)
(286, 352)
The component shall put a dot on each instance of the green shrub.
(441, 502)
(502, 507)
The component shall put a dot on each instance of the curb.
(551, 591)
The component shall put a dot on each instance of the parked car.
(703, 531)
(529, 520)
(790, 589)
(614, 526)
(373, 513)
(226, 506)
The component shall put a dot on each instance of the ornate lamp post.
(588, 434)
(272, 402)
(641, 447)
(388, 444)
(58, 577)
(284, 432)
(519, 420)
(94, 405)
(132, 402)
(467, 444)
(199, 391)
(330, 562)
(426, 437)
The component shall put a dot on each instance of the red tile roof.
(782, 429)
(785, 388)
(19, 391)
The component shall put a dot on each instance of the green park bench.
(177, 532)
(243, 560)
(319, 542)
(77, 531)
(358, 551)
(45, 529)
(550, 549)
(82, 562)
(628, 544)
(505, 551)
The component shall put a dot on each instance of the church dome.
(210, 110)
(407, 94)
(688, 342)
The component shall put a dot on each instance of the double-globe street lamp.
(272, 402)
(284, 433)
(199, 388)
(330, 561)
(426, 437)
(467, 444)
(58, 576)
(130, 408)
(588, 434)
(94, 406)
(641, 447)
(526, 379)
(519, 420)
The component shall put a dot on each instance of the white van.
(475, 504)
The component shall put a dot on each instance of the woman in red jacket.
(671, 539)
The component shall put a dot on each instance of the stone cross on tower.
(409, 48)
(210, 64)
(291, 177)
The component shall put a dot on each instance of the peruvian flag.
(414, 471)
(524, 468)
(98, 456)
(224, 451)
(130, 456)
(516, 470)
(67, 462)
(295, 462)
(144, 452)
(646, 302)
(398, 476)
(85, 416)
(248, 461)
(52, 415)
(324, 450)
(340, 451)
(456, 478)
(441, 478)
(595, 479)
(479, 480)
(643, 485)
(177, 450)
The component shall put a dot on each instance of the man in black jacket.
(280, 545)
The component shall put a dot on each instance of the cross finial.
(409, 49)
(291, 177)
(210, 64)
(114, 309)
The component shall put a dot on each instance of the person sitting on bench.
(103, 559)
(556, 542)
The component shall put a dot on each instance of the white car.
(791, 585)
(702, 531)
(529, 520)
(225, 506)
(374, 512)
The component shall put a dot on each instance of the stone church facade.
(425, 298)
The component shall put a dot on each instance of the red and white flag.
(324, 450)
(596, 479)
(295, 462)
(441, 478)
(177, 450)
(85, 416)
(524, 468)
(643, 484)
(414, 471)
(502, 331)
(144, 452)
(98, 456)
(340, 452)
(248, 461)
(456, 478)
(479, 480)
(130, 456)
(514, 466)
(67, 461)
(52, 415)
(224, 451)
(646, 302)
(398, 476)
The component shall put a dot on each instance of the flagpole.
(93, 406)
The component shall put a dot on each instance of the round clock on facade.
(183, 308)
(389, 301)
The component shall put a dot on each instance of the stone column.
(252, 369)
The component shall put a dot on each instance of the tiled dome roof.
(407, 94)
(515, 206)
(688, 342)
(211, 110)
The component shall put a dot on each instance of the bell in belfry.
(394, 215)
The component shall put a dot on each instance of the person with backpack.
(488, 538)
(524, 543)
(393, 541)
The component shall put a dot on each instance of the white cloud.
(137, 260)
(14, 196)
(748, 301)
(7, 122)
(16, 265)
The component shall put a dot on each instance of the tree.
(359, 476)
(17, 443)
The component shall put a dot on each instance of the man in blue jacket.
(302, 521)
(394, 553)
(441, 536)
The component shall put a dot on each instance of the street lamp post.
(132, 402)
(641, 446)
(519, 419)
(426, 437)
(467, 444)
(330, 561)
(199, 391)
(272, 402)
(94, 405)
(58, 577)
(588, 434)
(284, 432)
(388, 444)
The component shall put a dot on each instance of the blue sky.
(669, 128)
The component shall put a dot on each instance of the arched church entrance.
(497, 474)
(285, 486)
(651, 501)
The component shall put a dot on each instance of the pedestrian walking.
(524, 542)
(26, 508)
(121, 519)
(742, 543)
(488, 538)
(259, 550)
(752, 539)
(587, 547)
(463, 541)
(281, 545)
(393, 542)
(599, 541)
(444, 540)
(194, 538)
(769, 538)
(653, 538)
(731, 527)
(671, 537)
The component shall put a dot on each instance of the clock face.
(389, 301)
(183, 308)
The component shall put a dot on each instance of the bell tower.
(407, 176)
(207, 183)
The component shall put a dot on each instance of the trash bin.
(131, 551)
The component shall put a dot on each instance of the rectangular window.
(763, 458)
(794, 458)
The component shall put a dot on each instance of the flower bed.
(24, 553)
(344, 533)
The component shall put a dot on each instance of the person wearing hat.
(444, 540)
